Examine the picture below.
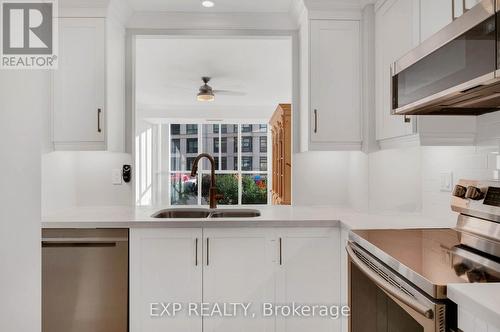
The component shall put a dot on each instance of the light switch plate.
(116, 176)
(446, 181)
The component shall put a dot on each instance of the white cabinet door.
(79, 84)
(335, 85)
(239, 268)
(396, 33)
(308, 274)
(165, 266)
(435, 15)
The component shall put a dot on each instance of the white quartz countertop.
(271, 216)
(481, 301)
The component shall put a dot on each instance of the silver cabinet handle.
(281, 251)
(315, 121)
(387, 287)
(208, 251)
(196, 252)
(99, 111)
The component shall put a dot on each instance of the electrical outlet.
(116, 176)
(446, 181)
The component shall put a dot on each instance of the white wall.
(320, 178)
(24, 104)
(83, 179)
(466, 162)
(395, 180)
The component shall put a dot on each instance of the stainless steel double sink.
(195, 213)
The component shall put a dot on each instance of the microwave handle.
(387, 287)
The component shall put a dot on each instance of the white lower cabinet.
(255, 266)
(239, 268)
(308, 274)
(165, 267)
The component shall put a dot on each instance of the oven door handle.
(387, 287)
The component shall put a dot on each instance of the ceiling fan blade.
(229, 93)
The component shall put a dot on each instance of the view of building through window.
(241, 169)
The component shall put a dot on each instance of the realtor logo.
(28, 34)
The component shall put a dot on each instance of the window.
(246, 144)
(263, 143)
(175, 129)
(263, 164)
(246, 163)
(191, 129)
(216, 144)
(223, 141)
(192, 145)
(241, 179)
(189, 162)
(175, 145)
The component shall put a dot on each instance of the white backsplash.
(82, 179)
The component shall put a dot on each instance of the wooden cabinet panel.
(281, 131)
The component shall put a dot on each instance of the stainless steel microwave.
(454, 72)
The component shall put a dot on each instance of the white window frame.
(239, 171)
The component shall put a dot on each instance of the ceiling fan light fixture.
(208, 4)
(205, 96)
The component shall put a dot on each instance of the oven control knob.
(459, 191)
(474, 193)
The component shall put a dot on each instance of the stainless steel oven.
(381, 301)
(398, 277)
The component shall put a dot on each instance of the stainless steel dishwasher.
(84, 280)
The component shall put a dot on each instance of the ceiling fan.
(207, 93)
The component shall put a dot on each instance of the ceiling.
(169, 71)
(281, 6)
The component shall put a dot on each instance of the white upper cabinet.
(400, 26)
(396, 33)
(79, 85)
(435, 15)
(330, 84)
(335, 99)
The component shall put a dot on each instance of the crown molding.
(211, 21)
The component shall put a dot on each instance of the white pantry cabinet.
(308, 273)
(165, 266)
(79, 85)
(335, 85)
(228, 265)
